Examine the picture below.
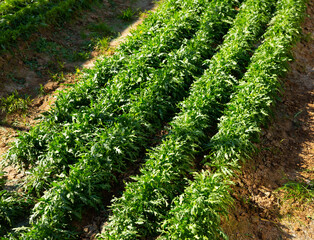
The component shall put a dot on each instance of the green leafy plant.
(41, 90)
(197, 213)
(57, 77)
(298, 191)
(13, 208)
(102, 44)
(127, 14)
(14, 103)
(21, 17)
(105, 123)
(248, 109)
(144, 205)
(102, 29)
(118, 93)
(120, 136)
(2, 179)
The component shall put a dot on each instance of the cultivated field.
(152, 140)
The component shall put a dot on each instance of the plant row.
(160, 34)
(144, 205)
(64, 144)
(153, 32)
(19, 18)
(152, 24)
(128, 135)
(194, 213)
(44, 165)
(34, 145)
(11, 6)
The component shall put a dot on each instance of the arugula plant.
(157, 82)
(145, 203)
(123, 141)
(238, 129)
(182, 25)
(13, 209)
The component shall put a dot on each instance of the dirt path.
(262, 210)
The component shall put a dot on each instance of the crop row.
(19, 18)
(155, 28)
(55, 158)
(41, 141)
(145, 203)
(207, 197)
(155, 22)
(150, 38)
(69, 142)
(127, 135)
(118, 144)
(116, 131)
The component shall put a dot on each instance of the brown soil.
(262, 210)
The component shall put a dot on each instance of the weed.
(60, 64)
(102, 44)
(14, 103)
(127, 14)
(307, 37)
(113, 4)
(79, 56)
(58, 52)
(83, 35)
(298, 191)
(41, 90)
(42, 45)
(143, 14)
(32, 64)
(57, 77)
(15, 79)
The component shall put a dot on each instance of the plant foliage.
(145, 203)
(240, 125)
